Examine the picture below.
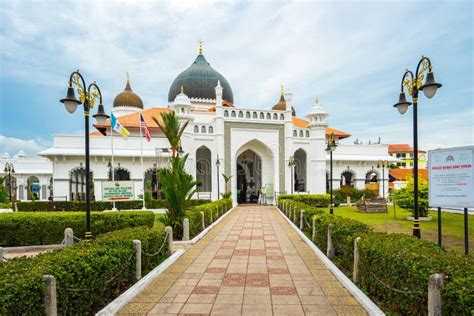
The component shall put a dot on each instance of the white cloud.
(13, 145)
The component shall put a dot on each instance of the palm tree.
(172, 128)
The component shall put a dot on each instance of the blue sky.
(350, 54)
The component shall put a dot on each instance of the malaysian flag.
(145, 128)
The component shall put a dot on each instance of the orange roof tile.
(228, 104)
(394, 148)
(329, 130)
(405, 174)
(132, 120)
(96, 133)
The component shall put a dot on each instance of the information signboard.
(451, 177)
(117, 190)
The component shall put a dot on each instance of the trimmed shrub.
(340, 195)
(194, 215)
(316, 200)
(405, 263)
(96, 206)
(88, 275)
(36, 228)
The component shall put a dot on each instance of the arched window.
(301, 133)
(226, 113)
(269, 116)
(232, 114)
(203, 129)
(247, 115)
(241, 114)
(182, 110)
(275, 116)
(282, 117)
(211, 130)
(204, 169)
(255, 115)
(120, 174)
(262, 116)
(196, 129)
(77, 184)
(307, 134)
(295, 133)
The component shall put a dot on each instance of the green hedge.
(97, 206)
(398, 261)
(316, 200)
(36, 228)
(88, 276)
(340, 195)
(218, 208)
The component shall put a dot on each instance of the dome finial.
(128, 77)
(317, 100)
(282, 91)
(182, 89)
(200, 42)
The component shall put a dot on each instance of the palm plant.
(172, 128)
(227, 194)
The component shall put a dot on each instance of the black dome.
(200, 81)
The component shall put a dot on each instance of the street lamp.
(329, 149)
(218, 164)
(87, 97)
(414, 83)
(383, 164)
(291, 164)
(9, 168)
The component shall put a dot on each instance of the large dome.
(200, 81)
(128, 98)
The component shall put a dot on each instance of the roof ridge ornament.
(282, 91)
(200, 42)
(317, 100)
(182, 89)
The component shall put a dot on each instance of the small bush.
(405, 197)
(37, 228)
(316, 200)
(217, 207)
(340, 195)
(88, 275)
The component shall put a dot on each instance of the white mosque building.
(254, 146)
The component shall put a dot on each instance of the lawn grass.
(452, 225)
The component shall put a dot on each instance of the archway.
(151, 184)
(33, 188)
(347, 179)
(204, 169)
(372, 181)
(249, 177)
(120, 174)
(77, 184)
(300, 171)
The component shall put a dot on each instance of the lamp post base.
(416, 228)
(331, 210)
(88, 237)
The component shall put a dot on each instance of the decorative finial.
(317, 100)
(200, 42)
(182, 89)
(282, 91)
(128, 77)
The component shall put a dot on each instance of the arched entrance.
(204, 169)
(249, 177)
(120, 174)
(300, 171)
(152, 183)
(372, 181)
(33, 188)
(77, 184)
(347, 179)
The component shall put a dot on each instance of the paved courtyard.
(251, 263)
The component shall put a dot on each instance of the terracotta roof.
(298, 122)
(228, 104)
(396, 148)
(405, 174)
(96, 133)
(132, 120)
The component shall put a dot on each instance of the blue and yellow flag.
(116, 126)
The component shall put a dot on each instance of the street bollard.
(348, 200)
(330, 251)
(68, 237)
(435, 283)
(203, 221)
(186, 229)
(301, 219)
(355, 271)
(137, 245)
(50, 300)
(313, 233)
(169, 231)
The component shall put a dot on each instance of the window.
(307, 134)
(247, 115)
(196, 129)
(241, 115)
(232, 114)
(295, 133)
(262, 116)
(203, 129)
(254, 115)
(269, 116)
(282, 117)
(275, 116)
(211, 130)
(226, 113)
(301, 133)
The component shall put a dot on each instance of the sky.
(351, 54)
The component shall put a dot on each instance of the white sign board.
(117, 190)
(451, 177)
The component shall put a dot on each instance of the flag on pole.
(116, 126)
(145, 128)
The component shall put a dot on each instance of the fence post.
(186, 229)
(435, 283)
(217, 214)
(348, 200)
(301, 219)
(1, 254)
(68, 237)
(212, 217)
(50, 301)
(169, 231)
(355, 272)
(137, 245)
(203, 221)
(330, 253)
(313, 233)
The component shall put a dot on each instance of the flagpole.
(113, 168)
(141, 151)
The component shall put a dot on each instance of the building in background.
(404, 153)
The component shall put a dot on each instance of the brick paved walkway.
(252, 263)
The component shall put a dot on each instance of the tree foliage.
(405, 196)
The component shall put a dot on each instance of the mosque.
(272, 150)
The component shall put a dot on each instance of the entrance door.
(249, 177)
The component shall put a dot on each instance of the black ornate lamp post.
(87, 96)
(414, 83)
(291, 164)
(218, 164)
(383, 164)
(329, 149)
(9, 168)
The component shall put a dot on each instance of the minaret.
(317, 116)
(288, 96)
(219, 90)
(182, 106)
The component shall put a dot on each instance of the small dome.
(21, 154)
(199, 82)
(128, 98)
(281, 105)
(182, 98)
(5, 155)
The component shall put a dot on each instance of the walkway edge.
(116, 305)
(360, 296)
(205, 231)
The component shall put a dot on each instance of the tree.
(405, 196)
(172, 128)
(227, 194)
(3, 190)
